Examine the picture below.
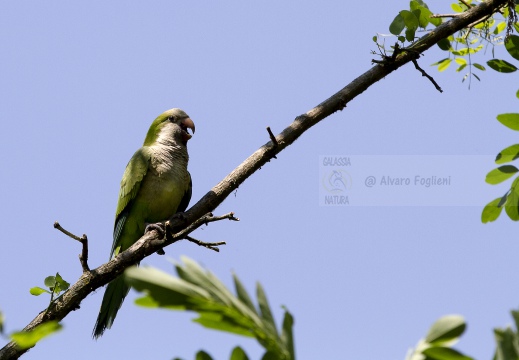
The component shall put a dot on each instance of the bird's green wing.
(130, 184)
(186, 198)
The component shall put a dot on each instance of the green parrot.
(155, 185)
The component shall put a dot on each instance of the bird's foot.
(178, 216)
(161, 229)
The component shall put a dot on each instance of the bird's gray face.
(183, 124)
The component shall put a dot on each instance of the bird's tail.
(113, 298)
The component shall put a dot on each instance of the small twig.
(444, 15)
(204, 220)
(466, 3)
(273, 139)
(212, 246)
(427, 75)
(83, 257)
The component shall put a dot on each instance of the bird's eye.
(171, 118)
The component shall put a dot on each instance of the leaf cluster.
(437, 344)
(510, 200)
(218, 308)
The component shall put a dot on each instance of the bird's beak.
(187, 123)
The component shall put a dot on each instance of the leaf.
(505, 339)
(509, 154)
(242, 293)
(217, 321)
(510, 120)
(444, 64)
(492, 211)
(266, 314)
(199, 290)
(444, 44)
(27, 339)
(457, 8)
(397, 25)
(238, 354)
(286, 333)
(517, 94)
(477, 77)
(500, 174)
(460, 61)
(50, 281)
(37, 291)
(479, 67)
(511, 206)
(501, 66)
(409, 34)
(444, 353)
(446, 329)
(500, 27)
(270, 355)
(512, 46)
(461, 67)
(202, 355)
(410, 20)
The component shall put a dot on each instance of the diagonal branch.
(150, 242)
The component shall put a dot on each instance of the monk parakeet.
(155, 185)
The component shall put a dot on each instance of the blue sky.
(80, 85)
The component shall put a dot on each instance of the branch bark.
(150, 242)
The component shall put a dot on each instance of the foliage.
(27, 339)
(460, 47)
(55, 284)
(199, 290)
(510, 200)
(437, 344)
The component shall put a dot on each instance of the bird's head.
(172, 125)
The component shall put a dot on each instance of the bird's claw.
(159, 227)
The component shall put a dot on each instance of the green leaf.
(500, 27)
(512, 46)
(397, 25)
(477, 77)
(199, 290)
(444, 353)
(27, 339)
(479, 67)
(492, 210)
(217, 321)
(286, 333)
(511, 206)
(501, 66)
(266, 314)
(62, 283)
(510, 120)
(457, 8)
(444, 44)
(202, 355)
(37, 291)
(505, 339)
(500, 174)
(238, 354)
(242, 293)
(271, 355)
(410, 20)
(517, 94)
(509, 154)
(460, 61)
(461, 67)
(409, 34)
(446, 329)
(444, 64)
(50, 281)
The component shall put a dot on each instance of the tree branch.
(150, 243)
